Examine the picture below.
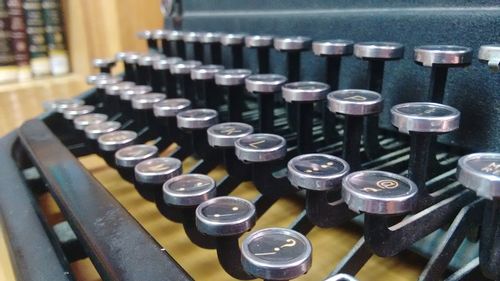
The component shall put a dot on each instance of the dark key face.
(318, 165)
(261, 142)
(231, 129)
(191, 184)
(426, 110)
(277, 248)
(198, 114)
(356, 96)
(379, 185)
(136, 151)
(486, 165)
(228, 210)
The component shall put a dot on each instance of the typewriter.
(273, 140)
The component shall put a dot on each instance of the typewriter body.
(378, 118)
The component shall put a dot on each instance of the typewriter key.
(490, 54)
(341, 277)
(150, 175)
(320, 175)
(71, 113)
(303, 94)
(148, 35)
(480, 172)
(113, 141)
(423, 121)
(112, 98)
(354, 105)
(206, 93)
(91, 79)
(188, 190)
(225, 134)
(182, 72)
(201, 118)
(146, 101)
(62, 104)
(260, 148)
(232, 82)
(376, 53)
(83, 121)
(162, 35)
(115, 89)
(171, 107)
(176, 37)
(319, 172)
(126, 158)
(276, 254)
(104, 64)
(378, 192)
(225, 216)
(132, 155)
(212, 39)
(440, 58)
(128, 68)
(264, 86)
(194, 39)
(262, 43)
(94, 131)
(292, 46)
(127, 94)
(163, 77)
(145, 68)
(333, 50)
(109, 143)
(235, 41)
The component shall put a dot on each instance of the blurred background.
(46, 48)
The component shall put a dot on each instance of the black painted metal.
(115, 242)
(412, 23)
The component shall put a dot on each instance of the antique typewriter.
(262, 131)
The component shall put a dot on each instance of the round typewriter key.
(355, 102)
(225, 134)
(171, 107)
(205, 72)
(166, 63)
(333, 47)
(146, 101)
(210, 37)
(104, 64)
(175, 35)
(83, 121)
(276, 254)
(449, 55)
(265, 86)
(481, 172)
(91, 79)
(94, 131)
(341, 277)
(425, 117)
(264, 83)
(182, 71)
(231, 39)
(157, 170)
(232, 77)
(127, 94)
(304, 91)
(188, 190)
(116, 140)
(73, 112)
(201, 118)
(102, 83)
(62, 104)
(225, 216)
(191, 37)
(134, 154)
(260, 148)
(316, 171)
(132, 57)
(126, 158)
(258, 41)
(145, 34)
(294, 43)
(379, 50)
(378, 192)
(116, 89)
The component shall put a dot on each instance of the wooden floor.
(329, 245)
